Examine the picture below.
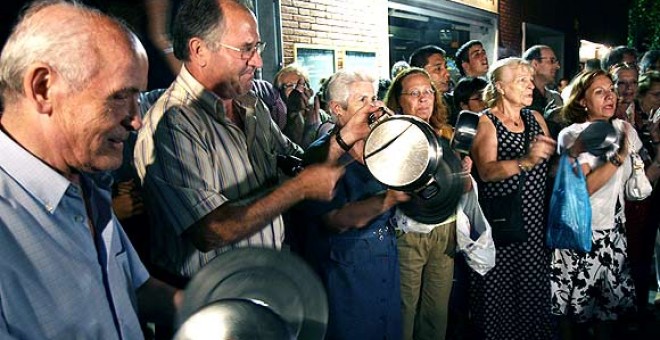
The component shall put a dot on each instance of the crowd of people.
(112, 198)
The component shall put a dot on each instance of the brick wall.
(338, 24)
(510, 25)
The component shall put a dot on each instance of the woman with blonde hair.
(511, 150)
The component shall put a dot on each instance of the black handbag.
(504, 213)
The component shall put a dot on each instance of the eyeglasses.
(248, 52)
(552, 60)
(300, 86)
(418, 94)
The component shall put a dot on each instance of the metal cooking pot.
(464, 131)
(402, 152)
(280, 281)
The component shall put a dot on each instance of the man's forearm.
(230, 223)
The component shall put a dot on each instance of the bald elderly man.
(69, 79)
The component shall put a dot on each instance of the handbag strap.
(524, 115)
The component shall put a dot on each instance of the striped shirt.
(191, 159)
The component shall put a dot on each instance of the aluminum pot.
(402, 152)
(464, 131)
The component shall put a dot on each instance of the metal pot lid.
(599, 137)
(464, 131)
(438, 201)
(400, 151)
(278, 280)
(234, 319)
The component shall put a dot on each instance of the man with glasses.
(207, 152)
(472, 59)
(545, 100)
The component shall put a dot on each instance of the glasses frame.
(417, 94)
(248, 52)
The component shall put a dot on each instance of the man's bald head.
(68, 37)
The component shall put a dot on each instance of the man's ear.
(199, 51)
(38, 86)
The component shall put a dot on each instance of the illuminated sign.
(486, 5)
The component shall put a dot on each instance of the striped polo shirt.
(191, 159)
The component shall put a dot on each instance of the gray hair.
(491, 95)
(339, 83)
(69, 47)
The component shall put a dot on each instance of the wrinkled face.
(436, 66)
(516, 85)
(477, 64)
(600, 99)
(651, 99)
(361, 93)
(230, 73)
(92, 124)
(292, 81)
(417, 97)
(546, 67)
(626, 85)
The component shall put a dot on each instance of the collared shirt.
(56, 281)
(192, 159)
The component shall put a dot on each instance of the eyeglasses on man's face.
(552, 60)
(247, 52)
(419, 93)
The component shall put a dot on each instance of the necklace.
(516, 123)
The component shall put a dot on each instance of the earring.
(586, 109)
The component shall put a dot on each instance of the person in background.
(596, 289)
(546, 101)
(468, 94)
(426, 252)
(433, 59)
(650, 61)
(619, 55)
(641, 219)
(561, 85)
(349, 240)
(625, 78)
(512, 300)
(69, 271)
(472, 59)
(397, 68)
(207, 152)
(303, 118)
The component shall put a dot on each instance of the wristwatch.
(616, 160)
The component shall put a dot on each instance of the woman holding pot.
(511, 150)
(349, 240)
(596, 288)
(426, 252)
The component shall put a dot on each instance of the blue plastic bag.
(569, 221)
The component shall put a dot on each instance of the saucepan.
(464, 131)
(404, 153)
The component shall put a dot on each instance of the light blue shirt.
(55, 283)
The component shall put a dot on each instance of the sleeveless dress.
(512, 301)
